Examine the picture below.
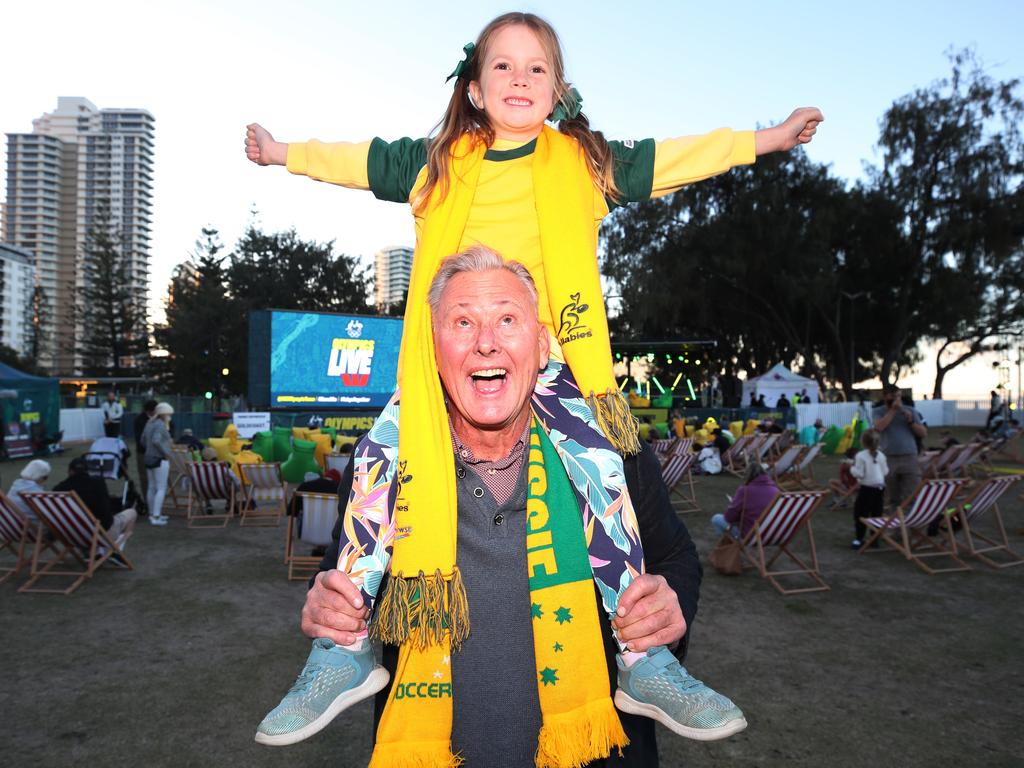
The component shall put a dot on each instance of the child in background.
(846, 483)
(869, 468)
(497, 174)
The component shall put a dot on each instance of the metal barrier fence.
(935, 413)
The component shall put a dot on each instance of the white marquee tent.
(779, 381)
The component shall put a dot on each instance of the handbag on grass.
(726, 557)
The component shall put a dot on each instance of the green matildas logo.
(571, 327)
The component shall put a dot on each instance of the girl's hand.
(798, 128)
(261, 148)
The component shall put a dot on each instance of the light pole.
(853, 358)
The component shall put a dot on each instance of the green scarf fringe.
(421, 609)
(611, 410)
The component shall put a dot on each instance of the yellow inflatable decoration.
(751, 426)
(846, 441)
(301, 433)
(690, 429)
(344, 440)
(323, 446)
(736, 427)
(701, 436)
(222, 446)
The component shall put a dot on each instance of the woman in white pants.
(156, 441)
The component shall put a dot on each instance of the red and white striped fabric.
(661, 446)
(988, 495)
(784, 515)
(675, 467)
(212, 479)
(683, 445)
(969, 455)
(12, 523)
(931, 500)
(66, 516)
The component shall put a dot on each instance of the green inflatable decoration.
(300, 462)
(263, 444)
(831, 440)
(330, 431)
(282, 443)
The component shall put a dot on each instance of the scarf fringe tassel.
(576, 738)
(421, 610)
(431, 754)
(611, 410)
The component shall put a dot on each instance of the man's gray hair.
(476, 258)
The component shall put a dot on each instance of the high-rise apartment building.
(75, 157)
(16, 282)
(393, 268)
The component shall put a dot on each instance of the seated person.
(720, 441)
(709, 460)
(747, 504)
(35, 473)
(93, 493)
(314, 483)
(190, 440)
(846, 483)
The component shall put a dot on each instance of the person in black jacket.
(93, 493)
(141, 420)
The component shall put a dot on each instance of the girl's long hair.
(462, 117)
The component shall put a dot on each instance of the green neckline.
(498, 155)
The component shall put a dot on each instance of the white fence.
(82, 423)
(935, 413)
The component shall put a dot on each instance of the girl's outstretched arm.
(261, 148)
(796, 129)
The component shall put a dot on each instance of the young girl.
(870, 469)
(496, 173)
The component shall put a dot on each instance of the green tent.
(29, 410)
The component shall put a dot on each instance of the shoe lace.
(685, 680)
(305, 678)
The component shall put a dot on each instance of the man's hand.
(649, 614)
(261, 148)
(798, 128)
(334, 608)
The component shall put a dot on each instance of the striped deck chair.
(682, 446)
(934, 463)
(210, 481)
(1010, 448)
(263, 494)
(319, 514)
(777, 528)
(679, 481)
(802, 475)
(764, 448)
(17, 535)
(970, 513)
(663, 447)
(75, 533)
(178, 482)
(968, 457)
(911, 521)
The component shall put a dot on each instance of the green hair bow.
(568, 107)
(463, 66)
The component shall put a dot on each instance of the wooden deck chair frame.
(1010, 449)
(304, 566)
(677, 473)
(802, 475)
(75, 532)
(984, 503)
(17, 535)
(735, 460)
(178, 481)
(663, 447)
(205, 486)
(787, 462)
(778, 526)
(961, 465)
(939, 461)
(262, 483)
(911, 520)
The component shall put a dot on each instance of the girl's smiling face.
(516, 85)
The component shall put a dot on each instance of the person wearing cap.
(156, 442)
(93, 493)
(31, 480)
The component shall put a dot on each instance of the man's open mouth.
(488, 380)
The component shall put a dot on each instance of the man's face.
(110, 397)
(489, 347)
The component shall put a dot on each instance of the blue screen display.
(323, 360)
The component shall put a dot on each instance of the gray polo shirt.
(897, 439)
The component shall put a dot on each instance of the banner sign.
(251, 422)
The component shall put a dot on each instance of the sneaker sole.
(374, 682)
(627, 703)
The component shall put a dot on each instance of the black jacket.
(668, 551)
(93, 493)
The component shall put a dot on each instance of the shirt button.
(478, 492)
(499, 519)
(492, 471)
(461, 472)
(464, 453)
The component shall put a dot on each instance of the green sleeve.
(634, 170)
(392, 167)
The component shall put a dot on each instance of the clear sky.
(351, 70)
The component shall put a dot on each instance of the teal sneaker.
(332, 681)
(660, 688)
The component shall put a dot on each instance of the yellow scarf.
(424, 604)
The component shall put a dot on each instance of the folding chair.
(777, 527)
(75, 532)
(262, 483)
(802, 476)
(764, 448)
(785, 462)
(735, 459)
(1010, 448)
(934, 463)
(912, 519)
(967, 457)
(319, 514)
(17, 534)
(178, 479)
(681, 446)
(970, 513)
(662, 447)
(210, 481)
(679, 481)
(338, 461)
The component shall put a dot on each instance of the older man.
(490, 348)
